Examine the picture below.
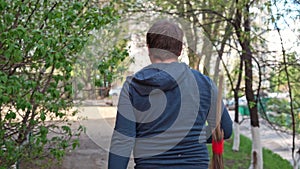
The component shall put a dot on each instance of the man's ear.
(179, 53)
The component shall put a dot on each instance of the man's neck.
(170, 60)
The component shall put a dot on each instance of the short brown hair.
(164, 40)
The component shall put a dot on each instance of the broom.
(217, 135)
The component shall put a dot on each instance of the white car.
(231, 104)
(115, 92)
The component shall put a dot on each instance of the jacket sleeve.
(226, 122)
(123, 138)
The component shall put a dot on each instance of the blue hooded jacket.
(162, 115)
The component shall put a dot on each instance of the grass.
(242, 159)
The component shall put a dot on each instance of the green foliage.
(279, 83)
(103, 61)
(278, 105)
(282, 115)
(110, 66)
(39, 41)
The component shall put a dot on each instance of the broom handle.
(219, 101)
(217, 161)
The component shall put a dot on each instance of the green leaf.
(43, 130)
(43, 116)
(252, 104)
(4, 99)
(10, 115)
(75, 144)
(67, 130)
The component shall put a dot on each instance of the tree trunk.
(236, 139)
(207, 48)
(236, 126)
(190, 32)
(257, 160)
(244, 39)
(296, 160)
(194, 59)
(291, 101)
(257, 156)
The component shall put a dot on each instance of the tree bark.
(236, 139)
(245, 42)
(257, 156)
(190, 31)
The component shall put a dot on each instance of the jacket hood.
(163, 76)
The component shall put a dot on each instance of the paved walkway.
(99, 122)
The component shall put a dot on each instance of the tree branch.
(289, 90)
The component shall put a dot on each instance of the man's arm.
(123, 138)
(226, 123)
(121, 143)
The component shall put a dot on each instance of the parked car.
(115, 91)
(231, 103)
(115, 94)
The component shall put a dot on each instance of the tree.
(103, 60)
(236, 90)
(288, 76)
(288, 66)
(201, 28)
(112, 67)
(39, 41)
(242, 25)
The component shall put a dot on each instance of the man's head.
(164, 40)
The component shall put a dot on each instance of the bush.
(39, 41)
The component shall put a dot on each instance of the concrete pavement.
(99, 123)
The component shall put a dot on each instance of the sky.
(288, 19)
